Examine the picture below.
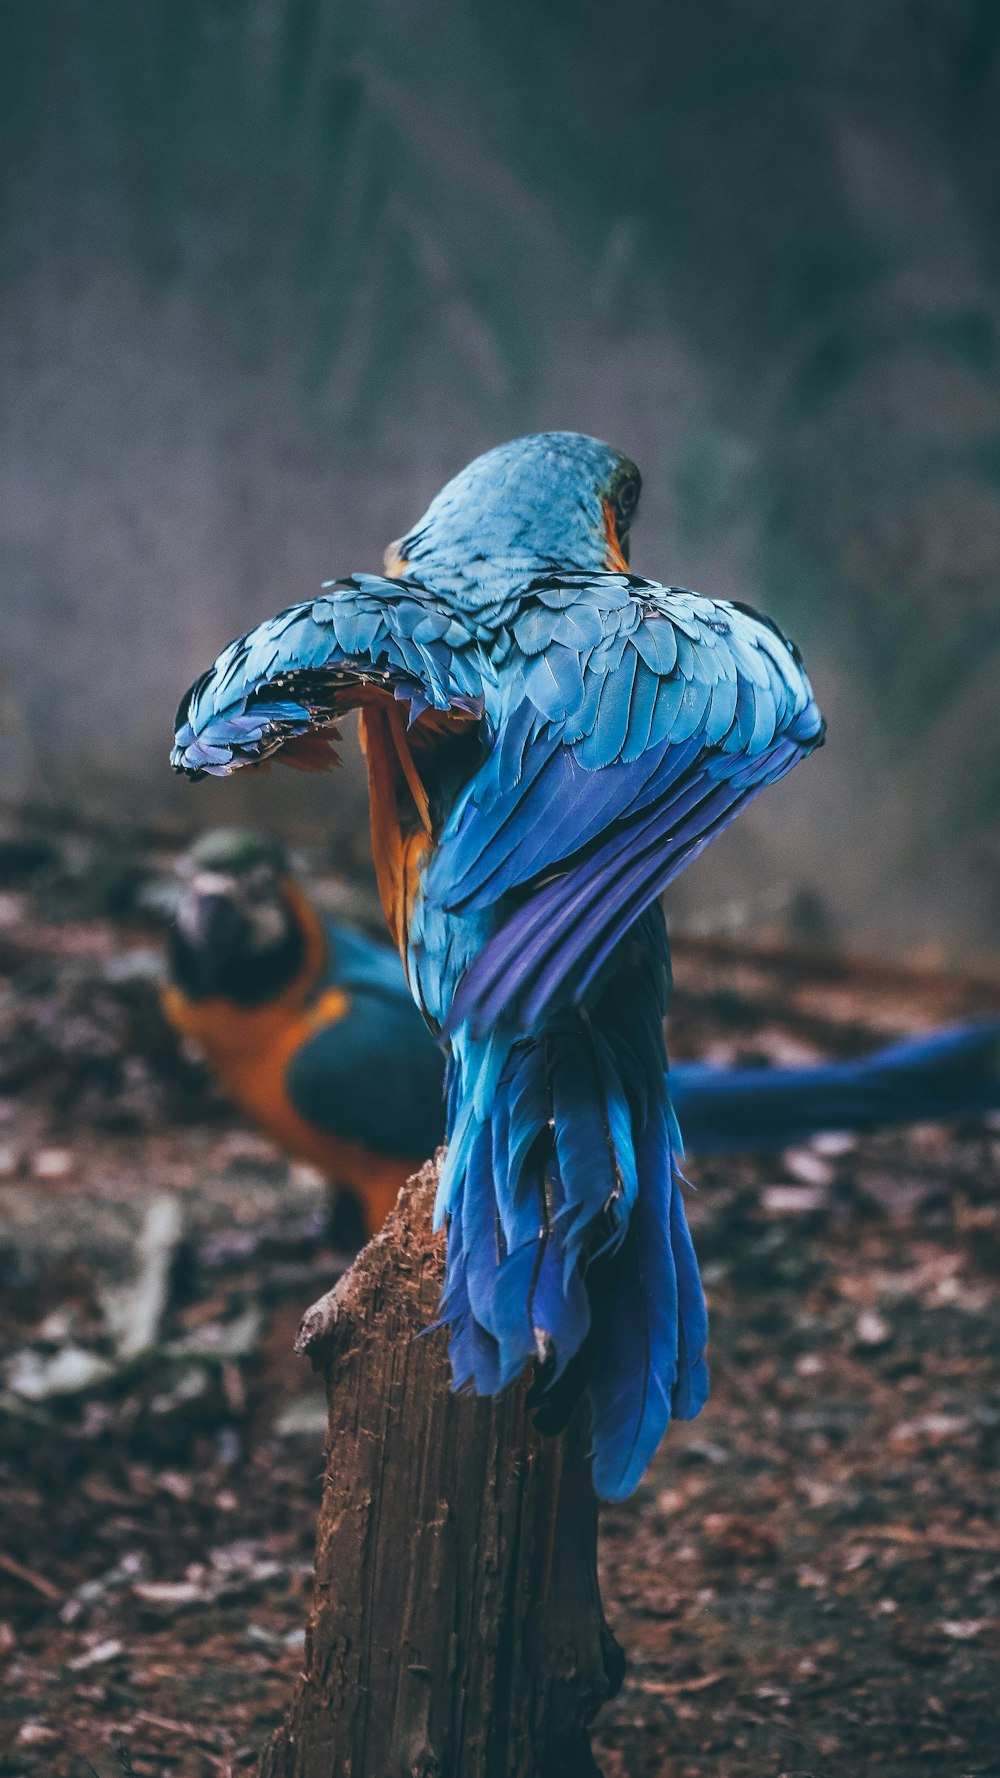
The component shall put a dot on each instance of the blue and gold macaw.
(550, 740)
(309, 1026)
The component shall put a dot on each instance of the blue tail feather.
(474, 1354)
(650, 1325)
(691, 1382)
(560, 1305)
(479, 1233)
(586, 1156)
(948, 1074)
(567, 1238)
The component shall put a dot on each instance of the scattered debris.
(133, 1312)
(17, 1569)
(69, 1371)
(98, 1655)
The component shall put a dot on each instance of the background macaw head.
(236, 931)
(552, 499)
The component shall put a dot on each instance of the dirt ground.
(808, 1582)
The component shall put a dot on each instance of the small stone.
(793, 1200)
(702, 1450)
(57, 1326)
(809, 1167)
(69, 1372)
(780, 1699)
(811, 1577)
(98, 1655)
(37, 1734)
(810, 1364)
(833, 1144)
(930, 1429)
(871, 1330)
(52, 1163)
(818, 1492)
(171, 1594)
(304, 1417)
(175, 1483)
(857, 1555)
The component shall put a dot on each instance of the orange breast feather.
(400, 818)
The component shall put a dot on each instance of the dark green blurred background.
(273, 269)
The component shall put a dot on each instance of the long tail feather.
(646, 1362)
(953, 1073)
(567, 1240)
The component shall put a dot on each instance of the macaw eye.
(626, 498)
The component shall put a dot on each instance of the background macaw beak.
(214, 932)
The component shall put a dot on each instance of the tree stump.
(457, 1628)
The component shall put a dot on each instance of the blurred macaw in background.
(550, 740)
(310, 1027)
(307, 1024)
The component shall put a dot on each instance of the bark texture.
(457, 1628)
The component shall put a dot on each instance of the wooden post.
(457, 1628)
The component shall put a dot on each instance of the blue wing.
(300, 670)
(642, 720)
(360, 963)
(375, 1076)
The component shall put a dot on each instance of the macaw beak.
(214, 934)
(394, 560)
(617, 547)
(217, 926)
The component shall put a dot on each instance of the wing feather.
(684, 712)
(298, 671)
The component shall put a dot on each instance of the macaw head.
(551, 500)
(238, 930)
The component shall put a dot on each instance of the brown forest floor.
(808, 1582)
